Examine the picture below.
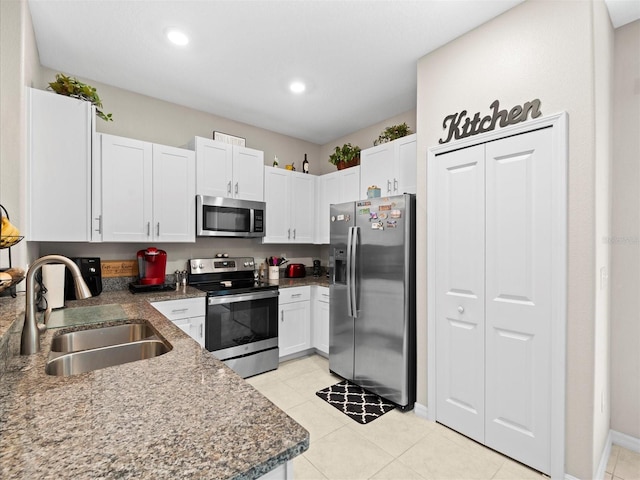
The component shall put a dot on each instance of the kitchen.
(583, 449)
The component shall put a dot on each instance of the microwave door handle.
(354, 271)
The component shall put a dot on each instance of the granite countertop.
(183, 414)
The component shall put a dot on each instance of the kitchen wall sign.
(461, 127)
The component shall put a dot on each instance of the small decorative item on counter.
(291, 167)
(373, 192)
(9, 234)
(275, 161)
(274, 273)
(261, 272)
(305, 164)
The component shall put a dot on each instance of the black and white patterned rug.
(356, 402)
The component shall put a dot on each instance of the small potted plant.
(345, 156)
(392, 133)
(72, 87)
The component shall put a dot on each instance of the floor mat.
(356, 402)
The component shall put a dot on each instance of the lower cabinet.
(294, 328)
(320, 319)
(188, 314)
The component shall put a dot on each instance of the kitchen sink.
(87, 350)
(102, 337)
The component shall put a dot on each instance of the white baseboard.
(614, 438)
(625, 441)
(421, 411)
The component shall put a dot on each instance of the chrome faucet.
(31, 331)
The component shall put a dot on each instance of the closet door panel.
(518, 296)
(460, 291)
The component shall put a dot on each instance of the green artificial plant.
(344, 155)
(392, 133)
(72, 87)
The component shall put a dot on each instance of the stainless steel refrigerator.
(373, 301)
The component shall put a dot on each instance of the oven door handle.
(245, 297)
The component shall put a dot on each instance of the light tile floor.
(623, 464)
(396, 446)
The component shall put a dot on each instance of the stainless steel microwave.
(228, 217)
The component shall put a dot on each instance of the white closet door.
(518, 296)
(460, 296)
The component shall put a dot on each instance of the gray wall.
(625, 234)
(539, 50)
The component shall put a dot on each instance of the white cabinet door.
(391, 166)
(276, 196)
(406, 178)
(126, 189)
(173, 194)
(294, 332)
(226, 170)
(148, 191)
(214, 167)
(248, 174)
(494, 299)
(290, 199)
(320, 319)
(294, 328)
(59, 167)
(302, 207)
(336, 187)
(376, 168)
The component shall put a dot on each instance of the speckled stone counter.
(300, 282)
(183, 414)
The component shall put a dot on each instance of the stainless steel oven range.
(241, 325)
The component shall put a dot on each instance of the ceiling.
(357, 57)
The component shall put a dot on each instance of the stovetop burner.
(225, 276)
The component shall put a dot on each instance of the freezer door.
(383, 329)
(340, 322)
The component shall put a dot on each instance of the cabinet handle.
(229, 187)
(294, 233)
(325, 295)
(395, 184)
(158, 230)
(236, 188)
(201, 330)
(281, 315)
(388, 186)
(461, 309)
(289, 233)
(179, 310)
(148, 229)
(99, 219)
(296, 295)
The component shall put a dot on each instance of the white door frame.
(560, 148)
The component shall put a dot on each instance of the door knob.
(461, 309)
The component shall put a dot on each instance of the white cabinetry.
(290, 198)
(188, 314)
(60, 133)
(320, 318)
(225, 170)
(336, 187)
(147, 192)
(294, 328)
(390, 166)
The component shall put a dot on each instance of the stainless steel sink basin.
(101, 337)
(86, 350)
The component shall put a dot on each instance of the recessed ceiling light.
(297, 87)
(177, 37)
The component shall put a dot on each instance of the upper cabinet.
(336, 187)
(225, 170)
(146, 192)
(60, 131)
(390, 166)
(290, 199)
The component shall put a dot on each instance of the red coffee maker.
(152, 266)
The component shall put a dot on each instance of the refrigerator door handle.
(348, 279)
(354, 272)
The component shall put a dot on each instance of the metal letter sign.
(461, 127)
